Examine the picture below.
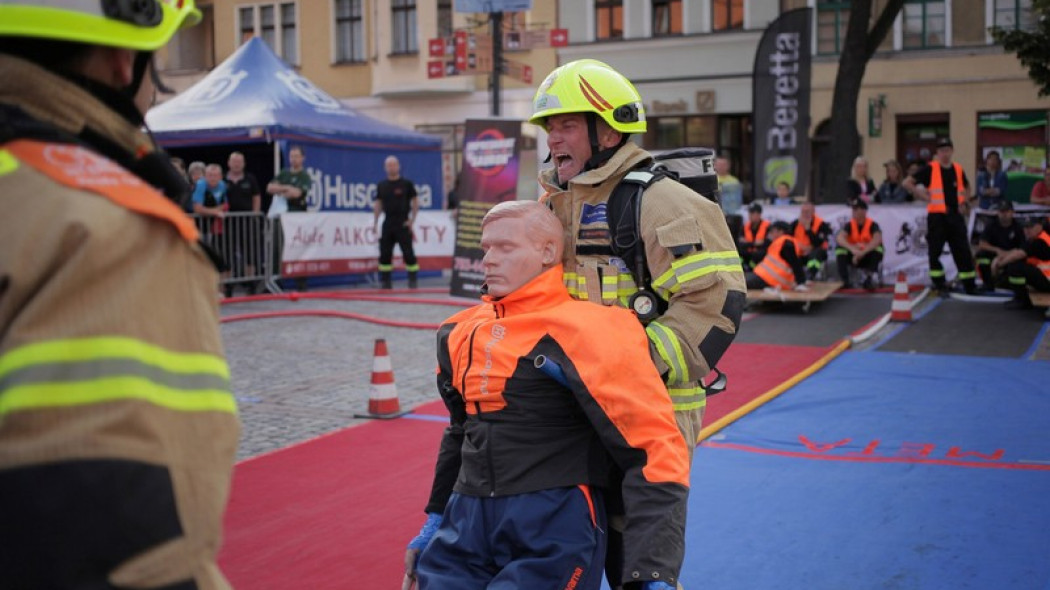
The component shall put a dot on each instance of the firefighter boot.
(412, 284)
(384, 280)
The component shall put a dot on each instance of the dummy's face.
(512, 257)
(568, 143)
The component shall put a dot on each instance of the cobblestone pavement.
(300, 377)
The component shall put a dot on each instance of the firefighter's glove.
(416, 546)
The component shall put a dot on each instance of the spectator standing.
(781, 268)
(991, 182)
(290, 190)
(1041, 190)
(246, 230)
(755, 238)
(118, 429)
(998, 238)
(210, 205)
(811, 234)
(397, 200)
(730, 187)
(859, 185)
(859, 246)
(892, 189)
(944, 186)
(195, 172)
(522, 469)
(1036, 257)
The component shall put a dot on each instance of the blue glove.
(427, 532)
(657, 586)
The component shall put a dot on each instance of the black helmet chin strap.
(138, 73)
(599, 156)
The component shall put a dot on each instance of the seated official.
(781, 267)
(997, 240)
(754, 241)
(1036, 256)
(811, 234)
(517, 497)
(859, 246)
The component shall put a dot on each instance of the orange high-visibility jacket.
(774, 269)
(936, 188)
(515, 430)
(859, 235)
(816, 228)
(118, 429)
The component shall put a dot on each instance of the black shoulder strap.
(624, 212)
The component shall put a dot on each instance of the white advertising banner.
(333, 243)
(903, 233)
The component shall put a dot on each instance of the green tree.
(1032, 47)
(863, 37)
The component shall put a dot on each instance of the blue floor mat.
(884, 470)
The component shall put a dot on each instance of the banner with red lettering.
(489, 176)
(344, 243)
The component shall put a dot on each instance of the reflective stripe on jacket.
(936, 188)
(773, 269)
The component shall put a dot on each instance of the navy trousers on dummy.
(548, 539)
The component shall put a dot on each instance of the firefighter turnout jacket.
(516, 430)
(118, 429)
(691, 256)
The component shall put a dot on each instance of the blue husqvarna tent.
(255, 100)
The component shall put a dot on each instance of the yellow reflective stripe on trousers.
(670, 351)
(694, 266)
(687, 398)
(93, 370)
(609, 293)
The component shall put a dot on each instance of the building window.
(349, 31)
(832, 19)
(403, 23)
(924, 24)
(608, 14)
(667, 17)
(727, 14)
(1014, 14)
(193, 48)
(444, 19)
(275, 24)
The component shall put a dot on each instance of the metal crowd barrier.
(245, 243)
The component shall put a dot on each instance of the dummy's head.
(521, 240)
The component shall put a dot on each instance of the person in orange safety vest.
(755, 237)
(945, 188)
(859, 246)
(1036, 255)
(811, 234)
(781, 268)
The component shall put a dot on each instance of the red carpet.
(336, 512)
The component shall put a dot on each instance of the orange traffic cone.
(900, 311)
(382, 394)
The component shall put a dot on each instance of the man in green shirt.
(290, 189)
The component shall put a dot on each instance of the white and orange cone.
(382, 394)
(900, 311)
